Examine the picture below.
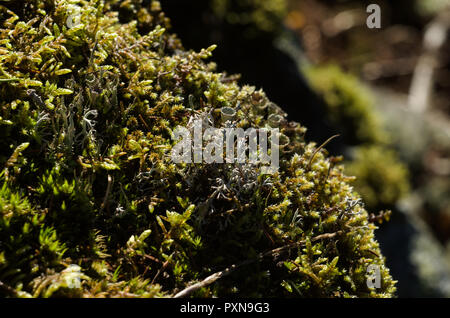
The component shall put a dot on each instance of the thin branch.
(216, 276)
(164, 266)
(108, 190)
(8, 289)
(321, 146)
(9, 79)
(421, 89)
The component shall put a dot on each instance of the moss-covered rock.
(91, 204)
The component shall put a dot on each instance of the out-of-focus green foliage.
(90, 202)
(428, 7)
(381, 178)
(350, 105)
(258, 15)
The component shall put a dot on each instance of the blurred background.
(386, 92)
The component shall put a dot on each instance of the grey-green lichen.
(91, 204)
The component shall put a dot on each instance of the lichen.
(91, 204)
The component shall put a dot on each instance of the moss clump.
(90, 202)
(257, 15)
(349, 105)
(430, 7)
(381, 179)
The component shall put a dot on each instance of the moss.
(258, 16)
(382, 180)
(430, 7)
(350, 105)
(91, 204)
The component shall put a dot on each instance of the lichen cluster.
(91, 204)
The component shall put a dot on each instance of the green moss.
(382, 180)
(258, 16)
(350, 106)
(91, 204)
(430, 7)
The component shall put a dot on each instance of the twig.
(8, 289)
(152, 258)
(421, 88)
(160, 270)
(9, 79)
(108, 189)
(216, 276)
(318, 149)
(144, 122)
